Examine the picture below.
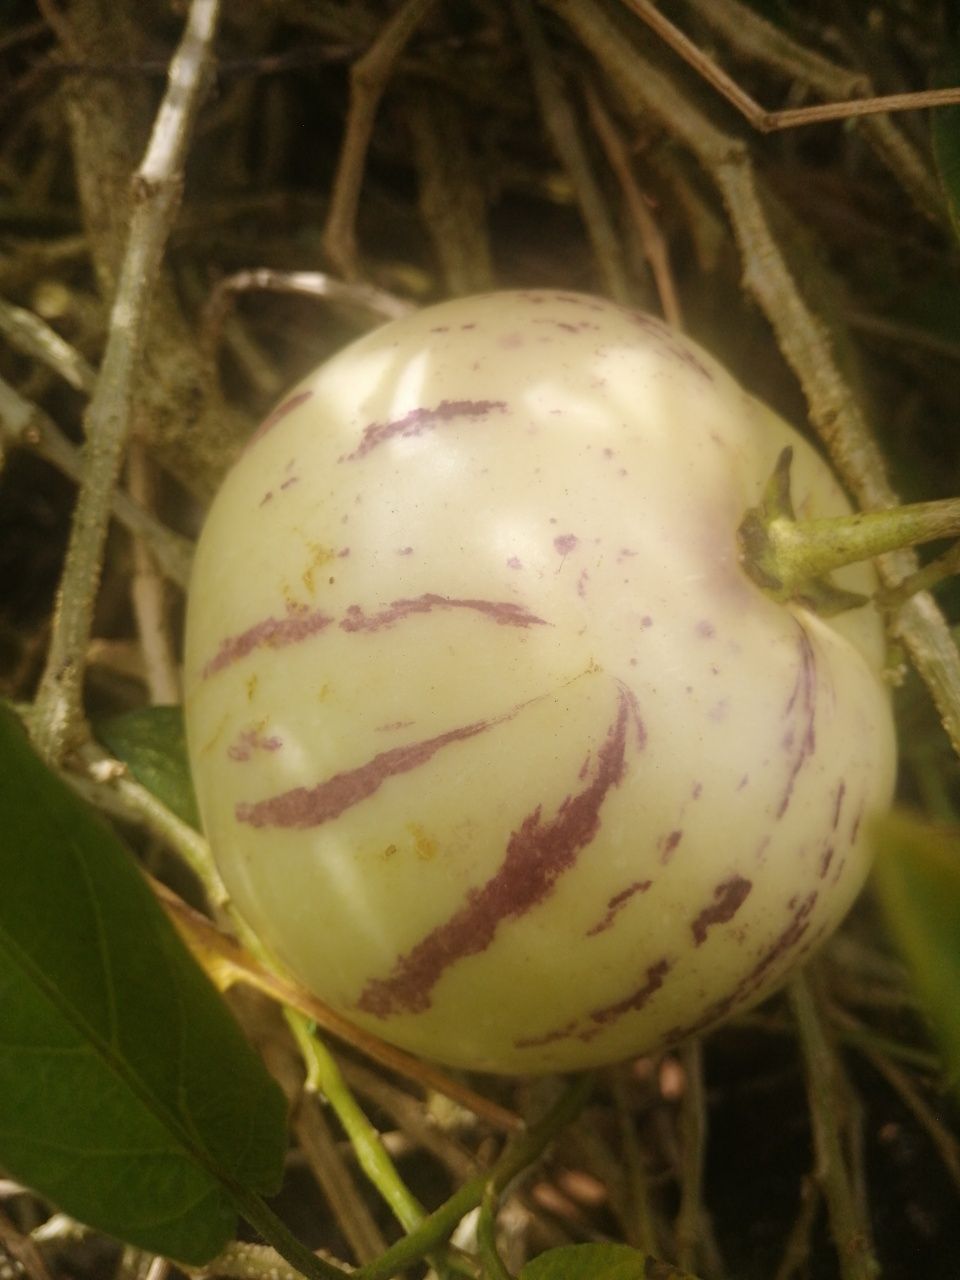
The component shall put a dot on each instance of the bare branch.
(58, 718)
(23, 424)
(368, 79)
(759, 117)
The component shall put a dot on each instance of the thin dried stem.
(451, 196)
(759, 117)
(56, 22)
(654, 242)
(754, 36)
(34, 337)
(149, 595)
(568, 143)
(796, 1251)
(368, 80)
(639, 1223)
(692, 1225)
(310, 284)
(58, 721)
(25, 425)
(22, 1249)
(945, 1143)
(825, 1092)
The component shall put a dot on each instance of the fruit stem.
(789, 558)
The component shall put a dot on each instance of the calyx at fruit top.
(792, 559)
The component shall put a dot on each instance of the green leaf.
(128, 1095)
(599, 1262)
(918, 879)
(152, 744)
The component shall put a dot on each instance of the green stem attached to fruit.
(791, 558)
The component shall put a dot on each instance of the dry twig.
(58, 718)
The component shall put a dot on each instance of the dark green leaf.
(599, 1262)
(128, 1095)
(152, 744)
(918, 878)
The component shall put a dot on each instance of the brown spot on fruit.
(728, 897)
(668, 845)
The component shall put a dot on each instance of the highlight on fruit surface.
(498, 747)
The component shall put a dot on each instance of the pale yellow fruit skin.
(562, 785)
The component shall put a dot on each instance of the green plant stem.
(136, 802)
(931, 575)
(493, 1264)
(791, 553)
(324, 1076)
(520, 1153)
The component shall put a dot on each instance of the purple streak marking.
(785, 942)
(841, 792)
(537, 855)
(250, 740)
(803, 700)
(300, 624)
(616, 905)
(652, 982)
(270, 633)
(417, 421)
(503, 612)
(635, 1001)
(668, 844)
(304, 807)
